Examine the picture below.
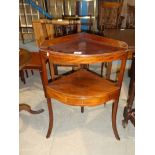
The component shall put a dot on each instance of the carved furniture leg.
(28, 109)
(114, 113)
(49, 104)
(129, 112)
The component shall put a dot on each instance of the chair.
(73, 26)
(82, 87)
(109, 16)
(33, 63)
(45, 29)
(42, 30)
(66, 26)
(88, 23)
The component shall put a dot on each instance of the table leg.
(109, 66)
(28, 109)
(129, 112)
(102, 65)
(82, 109)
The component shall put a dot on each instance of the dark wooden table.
(24, 57)
(128, 36)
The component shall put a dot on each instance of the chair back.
(43, 30)
(130, 17)
(109, 14)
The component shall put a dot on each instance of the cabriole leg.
(114, 113)
(49, 104)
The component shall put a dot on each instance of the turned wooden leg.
(114, 113)
(109, 70)
(82, 109)
(49, 104)
(28, 109)
(102, 65)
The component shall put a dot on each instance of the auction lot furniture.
(34, 62)
(45, 29)
(129, 111)
(24, 58)
(125, 35)
(82, 87)
(109, 15)
(128, 36)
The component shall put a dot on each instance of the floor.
(73, 133)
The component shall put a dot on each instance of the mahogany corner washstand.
(82, 87)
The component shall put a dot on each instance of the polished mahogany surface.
(84, 46)
(83, 43)
(82, 88)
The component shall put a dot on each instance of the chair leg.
(114, 113)
(49, 104)
(21, 73)
(87, 66)
(32, 72)
(26, 73)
